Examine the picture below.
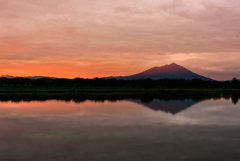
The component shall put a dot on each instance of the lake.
(120, 127)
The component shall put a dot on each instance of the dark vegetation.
(113, 97)
(114, 83)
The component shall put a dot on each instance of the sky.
(98, 38)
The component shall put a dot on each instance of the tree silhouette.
(235, 83)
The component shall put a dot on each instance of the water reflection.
(170, 106)
(169, 102)
(235, 98)
(97, 127)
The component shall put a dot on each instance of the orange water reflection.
(61, 107)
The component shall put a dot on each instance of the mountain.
(31, 77)
(39, 77)
(172, 71)
(7, 76)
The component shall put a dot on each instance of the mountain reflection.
(168, 102)
(172, 106)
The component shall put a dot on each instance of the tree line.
(101, 82)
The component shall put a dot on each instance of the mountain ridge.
(172, 71)
(30, 77)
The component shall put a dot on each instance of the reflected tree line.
(101, 82)
(113, 97)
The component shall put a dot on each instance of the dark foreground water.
(119, 127)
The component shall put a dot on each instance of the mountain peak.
(173, 64)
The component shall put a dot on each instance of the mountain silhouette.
(7, 76)
(31, 77)
(172, 71)
(171, 106)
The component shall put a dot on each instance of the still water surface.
(139, 128)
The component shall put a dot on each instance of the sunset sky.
(98, 38)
